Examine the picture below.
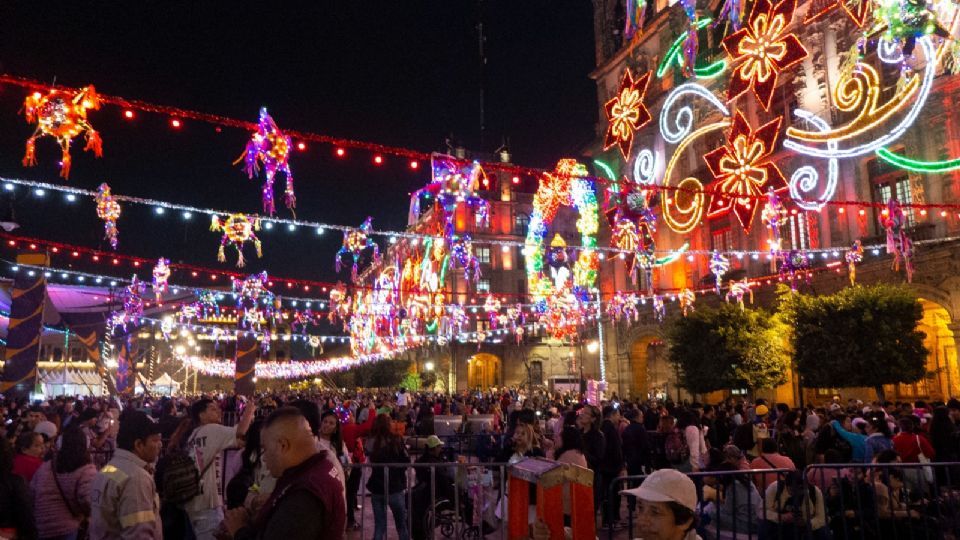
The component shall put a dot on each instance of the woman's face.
(328, 426)
(655, 521)
(521, 438)
(585, 419)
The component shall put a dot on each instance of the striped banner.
(246, 364)
(88, 329)
(23, 336)
(127, 365)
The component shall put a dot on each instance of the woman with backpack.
(61, 489)
(793, 511)
(384, 446)
(688, 423)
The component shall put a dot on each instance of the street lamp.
(593, 346)
(428, 366)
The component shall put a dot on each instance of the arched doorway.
(483, 371)
(650, 370)
(942, 359)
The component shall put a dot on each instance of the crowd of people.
(154, 467)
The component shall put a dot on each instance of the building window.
(536, 372)
(483, 254)
(828, 391)
(483, 285)
(479, 222)
(520, 224)
(799, 232)
(722, 240)
(899, 188)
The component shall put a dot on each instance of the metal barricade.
(834, 501)
(448, 500)
(730, 503)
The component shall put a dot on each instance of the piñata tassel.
(241, 262)
(94, 142)
(30, 157)
(221, 256)
(65, 163)
(259, 246)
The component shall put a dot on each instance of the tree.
(860, 336)
(729, 347)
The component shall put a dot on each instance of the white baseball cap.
(667, 485)
(47, 428)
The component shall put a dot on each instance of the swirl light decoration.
(859, 93)
(683, 211)
(557, 301)
(805, 179)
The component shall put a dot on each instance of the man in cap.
(123, 497)
(668, 505)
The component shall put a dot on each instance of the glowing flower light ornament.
(626, 112)
(62, 115)
(743, 169)
(853, 258)
(898, 243)
(161, 273)
(269, 148)
(355, 242)
(764, 49)
(237, 230)
(719, 265)
(108, 209)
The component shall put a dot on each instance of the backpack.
(675, 447)
(178, 479)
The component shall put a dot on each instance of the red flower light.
(414, 164)
(128, 114)
(175, 123)
(378, 159)
(765, 49)
(341, 152)
(743, 170)
(626, 112)
(301, 146)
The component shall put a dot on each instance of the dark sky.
(403, 73)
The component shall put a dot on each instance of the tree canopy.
(859, 336)
(729, 347)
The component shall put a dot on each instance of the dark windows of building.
(483, 285)
(520, 223)
(536, 372)
(721, 239)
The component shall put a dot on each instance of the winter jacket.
(54, 516)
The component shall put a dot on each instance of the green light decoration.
(673, 256)
(916, 165)
(606, 169)
(673, 55)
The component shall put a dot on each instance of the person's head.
(571, 438)
(35, 416)
(907, 423)
(612, 413)
(886, 456)
(588, 418)
(524, 438)
(434, 445)
(206, 411)
(6, 458)
(667, 423)
(832, 456)
(761, 410)
(140, 435)
(768, 446)
(88, 417)
(31, 444)
(73, 452)
(953, 408)
(311, 411)
(287, 440)
(668, 503)
(732, 454)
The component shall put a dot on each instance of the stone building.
(827, 229)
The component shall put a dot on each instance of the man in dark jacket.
(636, 443)
(305, 486)
(611, 465)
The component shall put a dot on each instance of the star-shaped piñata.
(764, 48)
(743, 170)
(626, 112)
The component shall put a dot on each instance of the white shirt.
(206, 444)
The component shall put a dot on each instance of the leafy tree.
(411, 382)
(728, 347)
(859, 336)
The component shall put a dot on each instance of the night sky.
(404, 73)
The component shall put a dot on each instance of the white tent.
(165, 385)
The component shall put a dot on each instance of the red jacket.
(905, 444)
(26, 466)
(351, 431)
